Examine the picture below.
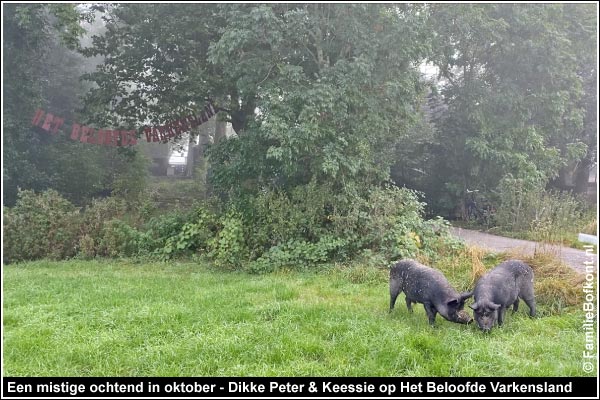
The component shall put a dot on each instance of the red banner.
(111, 137)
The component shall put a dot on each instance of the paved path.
(572, 257)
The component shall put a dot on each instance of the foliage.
(270, 231)
(274, 217)
(95, 218)
(42, 70)
(118, 240)
(87, 247)
(312, 225)
(548, 216)
(228, 248)
(27, 39)
(297, 254)
(46, 225)
(512, 81)
(387, 220)
(43, 225)
(324, 99)
(334, 85)
(130, 182)
(191, 237)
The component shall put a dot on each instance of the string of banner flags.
(122, 137)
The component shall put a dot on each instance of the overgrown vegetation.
(546, 216)
(514, 97)
(258, 233)
(325, 99)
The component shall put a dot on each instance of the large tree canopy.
(516, 80)
(314, 91)
(324, 93)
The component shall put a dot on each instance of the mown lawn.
(109, 318)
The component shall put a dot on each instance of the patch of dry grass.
(476, 254)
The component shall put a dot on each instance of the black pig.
(428, 286)
(500, 288)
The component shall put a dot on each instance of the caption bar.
(299, 387)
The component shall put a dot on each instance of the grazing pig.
(428, 286)
(500, 288)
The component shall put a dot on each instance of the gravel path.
(572, 257)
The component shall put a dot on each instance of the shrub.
(310, 225)
(228, 248)
(192, 237)
(94, 219)
(87, 249)
(387, 220)
(275, 217)
(40, 225)
(118, 240)
(297, 254)
(157, 230)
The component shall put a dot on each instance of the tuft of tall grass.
(590, 226)
(476, 254)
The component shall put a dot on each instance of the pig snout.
(463, 317)
(485, 323)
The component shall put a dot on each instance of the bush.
(228, 248)
(385, 220)
(42, 225)
(312, 225)
(86, 246)
(94, 220)
(297, 255)
(275, 217)
(118, 240)
(303, 228)
(158, 230)
(192, 237)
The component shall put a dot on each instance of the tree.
(41, 71)
(28, 31)
(314, 91)
(583, 26)
(512, 83)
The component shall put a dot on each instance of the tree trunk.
(189, 167)
(582, 174)
(220, 130)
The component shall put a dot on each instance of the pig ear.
(474, 306)
(465, 295)
(452, 302)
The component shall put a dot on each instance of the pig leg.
(526, 293)
(501, 312)
(408, 304)
(431, 312)
(394, 292)
(531, 304)
(516, 305)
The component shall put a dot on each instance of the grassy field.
(109, 318)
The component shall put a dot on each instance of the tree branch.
(268, 73)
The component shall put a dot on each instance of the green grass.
(108, 318)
